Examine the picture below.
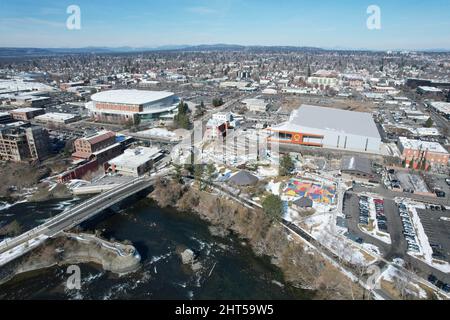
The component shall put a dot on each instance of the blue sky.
(405, 24)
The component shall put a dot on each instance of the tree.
(68, 147)
(210, 171)
(411, 164)
(200, 111)
(429, 123)
(181, 119)
(198, 175)
(217, 102)
(286, 165)
(198, 172)
(273, 206)
(423, 164)
(177, 175)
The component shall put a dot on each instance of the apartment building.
(422, 154)
(23, 143)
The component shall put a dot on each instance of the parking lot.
(408, 229)
(437, 230)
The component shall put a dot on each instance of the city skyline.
(411, 25)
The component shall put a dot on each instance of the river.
(230, 269)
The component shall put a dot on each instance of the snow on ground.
(426, 252)
(75, 183)
(322, 226)
(158, 132)
(274, 187)
(375, 232)
(371, 248)
(394, 275)
(5, 205)
(267, 171)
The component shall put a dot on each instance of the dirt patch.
(17, 177)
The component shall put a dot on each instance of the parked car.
(432, 279)
(440, 193)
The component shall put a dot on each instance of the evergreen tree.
(181, 120)
(210, 171)
(178, 176)
(429, 123)
(411, 164)
(273, 206)
(286, 165)
(217, 102)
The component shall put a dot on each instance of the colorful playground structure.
(317, 192)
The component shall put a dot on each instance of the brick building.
(23, 143)
(423, 154)
(25, 114)
(86, 147)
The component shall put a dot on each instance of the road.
(389, 194)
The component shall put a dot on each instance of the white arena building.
(131, 106)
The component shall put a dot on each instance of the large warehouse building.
(131, 106)
(329, 128)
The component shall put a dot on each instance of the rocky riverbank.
(68, 249)
(302, 266)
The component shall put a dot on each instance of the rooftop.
(56, 116)
(340, 121)
(243, 178)
(443, 107)
(26, 110)
(355, 163)
(134, 158)
(429, 89)
(422, 145)
(100, 136)
(130, 96)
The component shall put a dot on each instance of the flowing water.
(229, 270)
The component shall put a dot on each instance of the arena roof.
(137, 97)
(329, 119)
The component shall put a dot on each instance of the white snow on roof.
(443, 107)
(134, 158)
(27, 109)
(56, 116)
(131, 96)
(341, 121)
(422, 145)
(14, 85)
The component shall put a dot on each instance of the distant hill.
(30, 52)
(34, 52)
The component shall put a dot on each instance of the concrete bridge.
(11, 249)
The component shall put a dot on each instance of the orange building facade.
(290, 137)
